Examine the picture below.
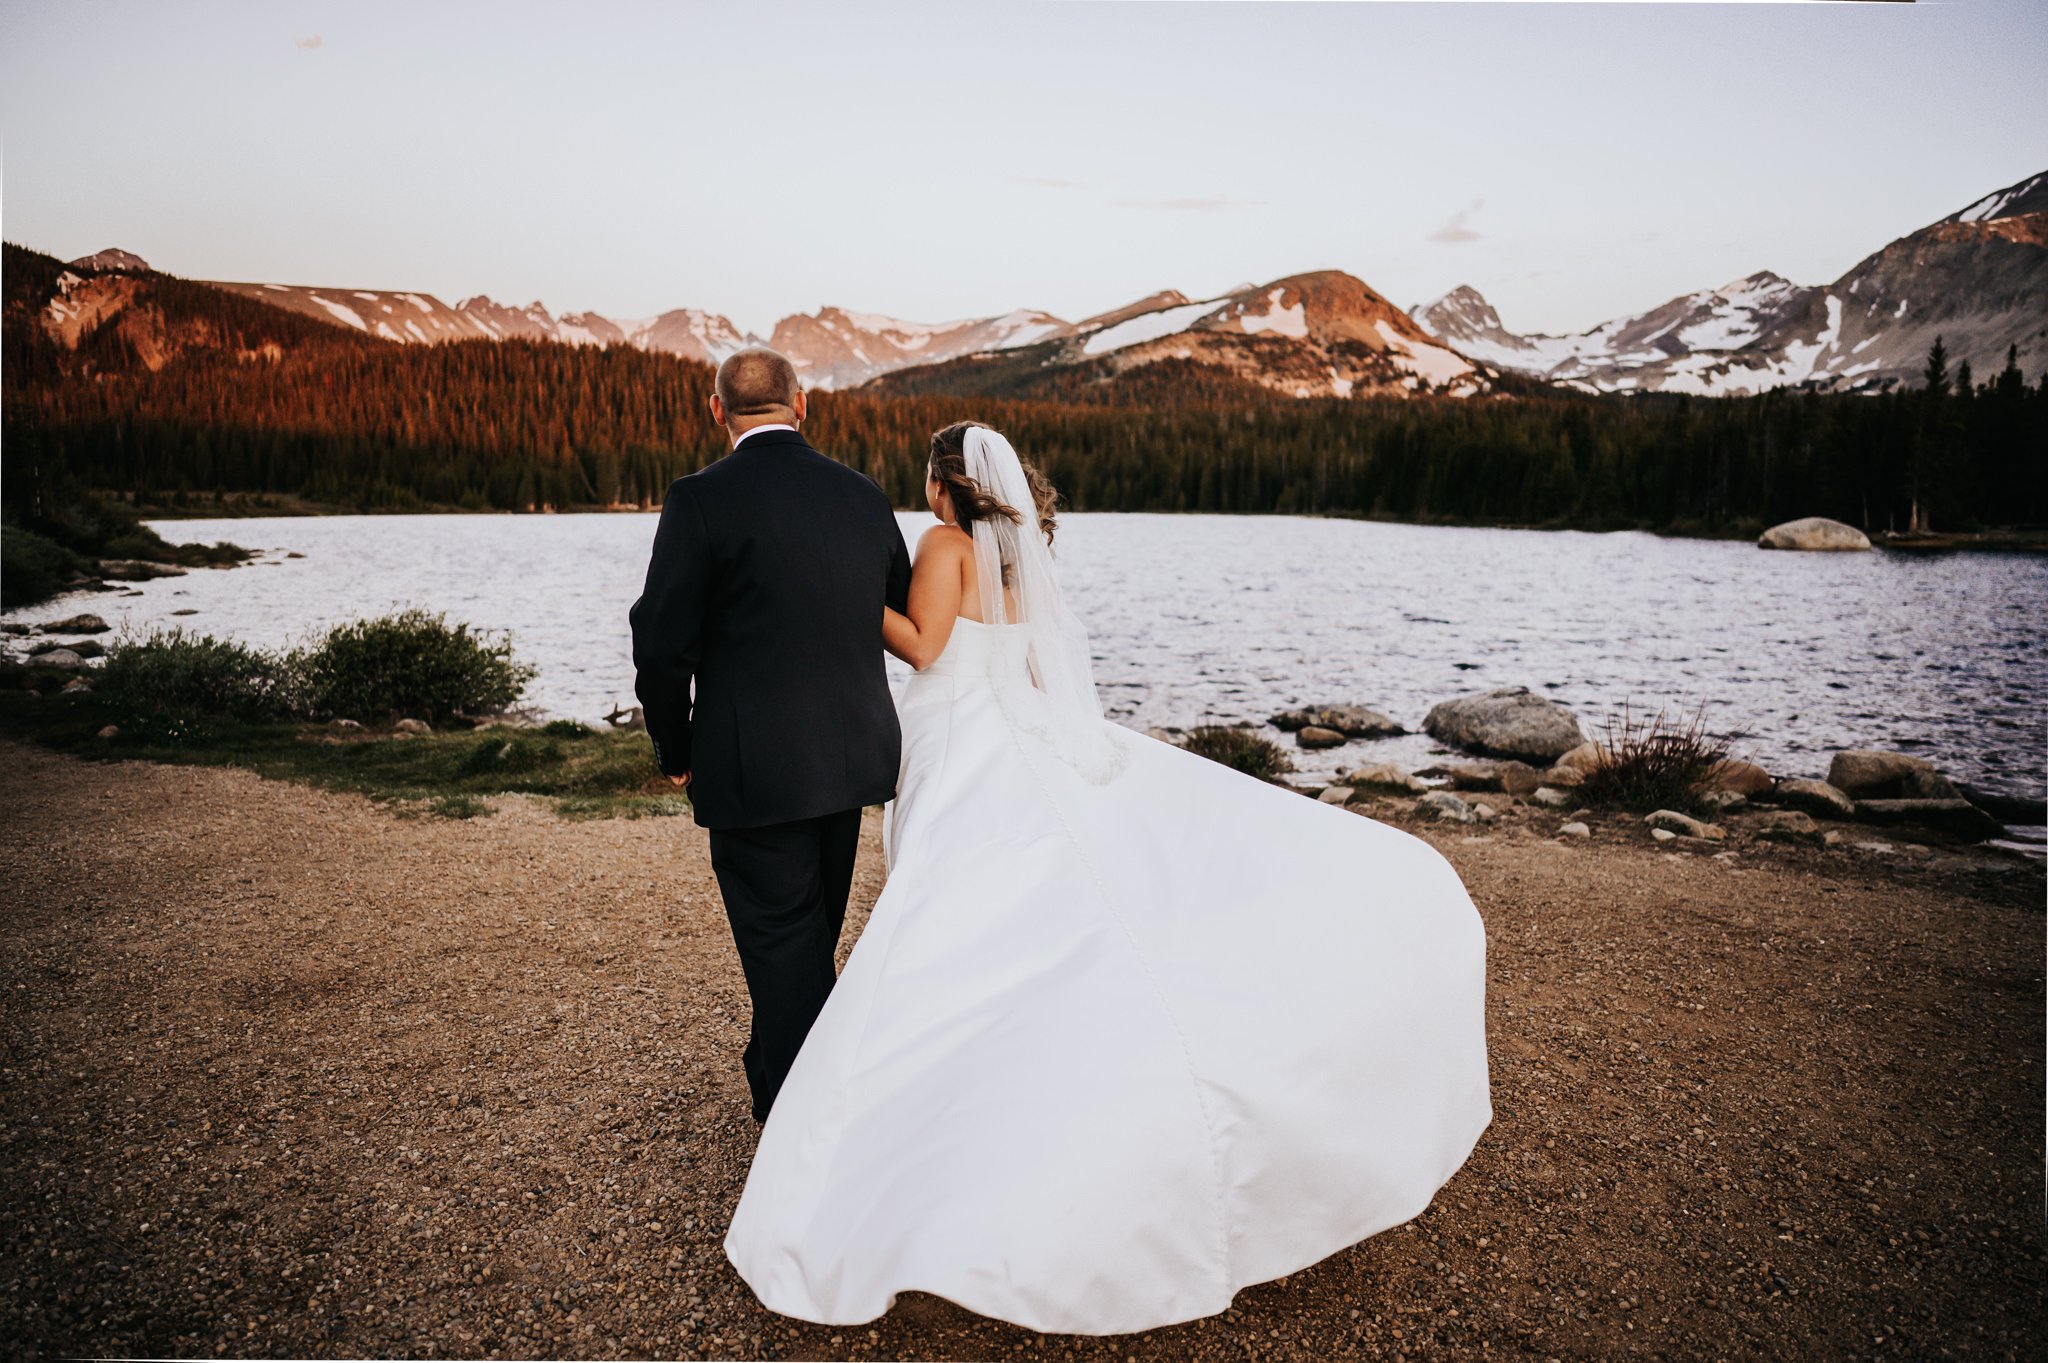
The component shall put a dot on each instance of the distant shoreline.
(2002, 539)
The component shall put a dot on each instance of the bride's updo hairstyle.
(971, 502)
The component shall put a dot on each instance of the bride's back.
(970, 587)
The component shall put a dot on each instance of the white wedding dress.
(1107, 1053)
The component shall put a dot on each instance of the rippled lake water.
(1218, 618)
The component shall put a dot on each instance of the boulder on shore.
(77, 624)
(1683, 824)
(1583, 759)
(1815, 797)
(1867, 775)
(1506, 775)
(1445, 807)
(1813, 532)
(84, 648)
(1352, 721)
(59, 657)
(1742, 778)
(1381, 776)
(1788, 825)
(1315, 736)
(1510, 722)
(1958, 816)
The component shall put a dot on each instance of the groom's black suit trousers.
(785, 887)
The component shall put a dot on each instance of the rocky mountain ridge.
(1978, 278)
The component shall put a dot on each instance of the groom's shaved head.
(757, 385)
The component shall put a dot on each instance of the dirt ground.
(286, 1075)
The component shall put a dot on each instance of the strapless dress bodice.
(974, 649)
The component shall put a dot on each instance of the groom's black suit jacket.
(766, 586)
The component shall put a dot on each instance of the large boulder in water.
(1510, 722)
(1813, 532)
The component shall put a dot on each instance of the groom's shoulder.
(846, 475)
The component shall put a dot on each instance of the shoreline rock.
(76, 624)
(1382, 776)
(1510, 721)
(1352, 721)
(1814, 533)
(1446, 807)
(1814, 797)
(1957, 816)
(1865, 774)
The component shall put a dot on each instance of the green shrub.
(1239, 749)
(567, 728)
(409, 665)
(1654, 765)
(33, 567)
(174, 672)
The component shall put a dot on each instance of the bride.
(1127, 1030)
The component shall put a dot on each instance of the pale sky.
(1574, 162)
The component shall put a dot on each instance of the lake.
(1221, 618)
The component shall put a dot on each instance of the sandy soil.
(287, 1075)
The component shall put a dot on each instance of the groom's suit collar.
(763, 436)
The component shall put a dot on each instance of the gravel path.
(287, 1075)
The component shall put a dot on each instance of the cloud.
(1455, 230)
(1207, 204)
(306, 44)
(1042, 181)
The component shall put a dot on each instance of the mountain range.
(1978, 278)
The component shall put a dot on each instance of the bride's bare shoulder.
(945, 539)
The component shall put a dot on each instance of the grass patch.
(446, 775)
(457, 806)
(1652, 765)
(1241, 750)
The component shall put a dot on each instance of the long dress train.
(1106, 1054)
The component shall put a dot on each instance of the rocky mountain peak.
(112, 258)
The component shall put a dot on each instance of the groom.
(766, 586)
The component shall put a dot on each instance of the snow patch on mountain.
(1290, 321)
(1147, 326)
(342, 312)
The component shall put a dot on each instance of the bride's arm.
(935, 591)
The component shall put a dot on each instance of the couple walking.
(1126, 1030)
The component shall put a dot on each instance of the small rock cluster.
(1862, 786)
(1530, 750)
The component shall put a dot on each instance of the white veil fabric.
(1018, 558)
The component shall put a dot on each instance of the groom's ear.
(798, 405)
(717, 410)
